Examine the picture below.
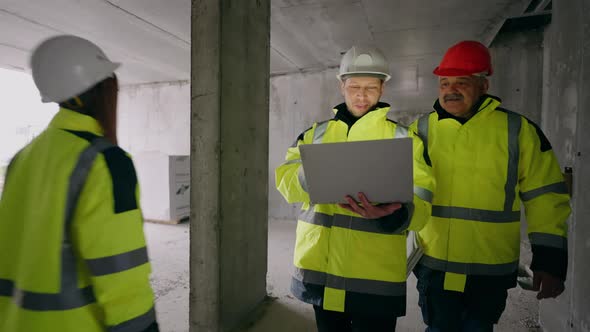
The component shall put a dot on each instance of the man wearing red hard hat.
(486, 160)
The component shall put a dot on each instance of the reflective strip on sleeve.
(548, 240)
(424, 194)
(301, 178)
(117, 263)
(65, 300)
(292, 161)
(469, 268)
(368, 286)
(557, 188)
(300, 175)
(136, 324)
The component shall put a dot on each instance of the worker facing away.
(74, 254)
(354, 272)
(486, 161)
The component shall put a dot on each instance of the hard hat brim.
(453, 72)
(385, 77)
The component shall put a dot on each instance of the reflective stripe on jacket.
(485, 168)
(73, 256)
(343, 261)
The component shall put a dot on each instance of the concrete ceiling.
(152, 37)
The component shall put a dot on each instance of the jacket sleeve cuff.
(152, 328)
(550, 260)
(398, 221)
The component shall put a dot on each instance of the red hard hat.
(465, 58)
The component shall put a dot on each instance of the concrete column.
(566, 121)
(229, 160)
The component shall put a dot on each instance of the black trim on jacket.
(545, 144)
(358, 303)
(550, 260)
(123, 175)
(391, 223)
(474, 282)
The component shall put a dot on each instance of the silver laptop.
(382, 169)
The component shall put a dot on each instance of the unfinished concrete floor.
(169, 253)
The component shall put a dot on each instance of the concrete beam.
(229, 160)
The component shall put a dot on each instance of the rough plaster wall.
(296, 102)
(153, 123)
(565, 120)
(155, 118)
(518, 78)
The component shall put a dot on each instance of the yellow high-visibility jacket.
(344, 262)
(484, 169)
(72, 250)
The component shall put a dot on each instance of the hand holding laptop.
(367, 209)
(381, 169)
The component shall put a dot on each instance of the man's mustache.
(453, 97)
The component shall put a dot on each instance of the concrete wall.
(518, 78)
(153, 124)
(545, 75)
(296, 102)
(155, 118)
(518, 60)
(566, 121)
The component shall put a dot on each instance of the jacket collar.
(343, 114)
(70, 120)
(484, 102)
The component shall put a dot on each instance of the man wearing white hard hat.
(74, 255)
(354, 272)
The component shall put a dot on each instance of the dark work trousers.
(333, 321)
(475, 310)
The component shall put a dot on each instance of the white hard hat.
(364, 60)
(66, 66)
